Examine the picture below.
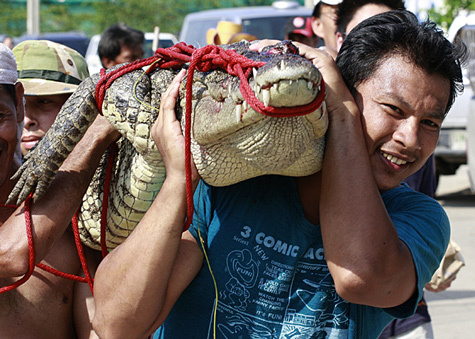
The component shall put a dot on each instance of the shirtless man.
(46, 306)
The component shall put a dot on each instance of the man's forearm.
(53, 212)
(362, 247)
(133, 279)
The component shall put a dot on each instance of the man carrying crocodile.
(45, 306)
(335, 254)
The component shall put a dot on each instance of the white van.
(467, 33)
(264, 22)
(451, 150)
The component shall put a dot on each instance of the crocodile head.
(233, 142)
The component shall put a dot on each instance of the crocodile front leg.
(42, 163)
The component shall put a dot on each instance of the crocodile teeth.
(245, 106)
(238, 112)
(266, 97)
(254, 72)
(290, 82)
(309, 85)
(275, 86)
(282, 65)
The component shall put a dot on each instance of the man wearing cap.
(300, 29)
(45, 306)
(324, 23)
(227, 32)
(50, 72)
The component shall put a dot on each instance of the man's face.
(360, 15)
(402, 110)
(40, 113)
(10, 117)
(364, 13)
(127, 54)
(325, 27)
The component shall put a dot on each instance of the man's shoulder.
(404, 195)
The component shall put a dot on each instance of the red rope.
(82, 259)
(105, 199)
(31, 250)
(32, 255)
(8, 205)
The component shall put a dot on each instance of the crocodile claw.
(42, 163)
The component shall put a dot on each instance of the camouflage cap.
(49, 68)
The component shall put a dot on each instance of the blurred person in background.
(300, 29)
(120, 44)
(227, 32)
(8, 41)
(351, 12)
(324, 24)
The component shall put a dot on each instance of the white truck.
(451, 150)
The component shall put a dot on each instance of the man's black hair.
(348, 8)
(382, 36)
(317, 10)
(116, 36)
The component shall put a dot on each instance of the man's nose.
(407, 134)
(29, 122)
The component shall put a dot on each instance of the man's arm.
(368, 262)
(143, 277)
(52, 214)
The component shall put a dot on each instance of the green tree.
(168, 15)
(93, 17)
(445, 15)
(13, 19)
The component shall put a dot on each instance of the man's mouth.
(29, 142)
(394, 159)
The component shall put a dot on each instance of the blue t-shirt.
(271, 276)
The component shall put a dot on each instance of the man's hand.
(337, 92)
(440, 288)
(168, 137)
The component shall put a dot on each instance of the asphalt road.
(453, 310)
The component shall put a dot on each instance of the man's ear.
(339, 41)
(107, 63)
(317, 27)
(20, 106)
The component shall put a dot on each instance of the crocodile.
(230, 141)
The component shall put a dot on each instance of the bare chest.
(42, 305)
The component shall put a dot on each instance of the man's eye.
(431, 123)
(394, 108)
